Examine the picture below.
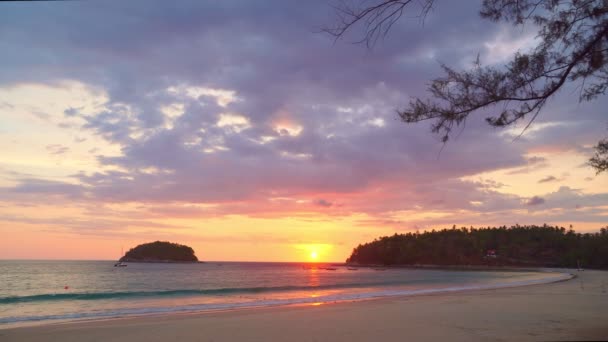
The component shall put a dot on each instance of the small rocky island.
(160, 251)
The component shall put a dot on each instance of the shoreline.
(488, 268)
(565, 310)
(384, 294)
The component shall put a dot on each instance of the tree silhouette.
(160, 251)
(600, 160)
(573, 47)
(495, 246)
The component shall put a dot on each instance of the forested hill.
(516, 246)
(160, 251)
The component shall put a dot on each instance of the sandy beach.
(569, 310)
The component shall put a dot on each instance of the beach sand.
(576, 309)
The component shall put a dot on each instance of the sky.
(238, 128)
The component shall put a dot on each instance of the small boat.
(330, 268)
(120, 263)
(380, 269)
(352, 268)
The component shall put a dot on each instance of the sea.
(43, 292)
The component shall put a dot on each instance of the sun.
(313, 252)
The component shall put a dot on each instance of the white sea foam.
(548, 277)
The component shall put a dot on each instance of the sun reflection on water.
(313, 277)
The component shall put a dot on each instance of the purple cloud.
(340, 98)
(548, 179)
(324, 203)
(536, 200)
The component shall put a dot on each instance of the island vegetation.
(544, 246)
(160, 251)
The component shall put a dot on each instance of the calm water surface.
(38, 292)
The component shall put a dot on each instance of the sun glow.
(315, 252)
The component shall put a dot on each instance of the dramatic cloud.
(162, 113)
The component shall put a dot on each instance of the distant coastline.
(483, 268)
(517, 247)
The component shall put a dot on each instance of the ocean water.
(40, 292)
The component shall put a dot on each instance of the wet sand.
(576, 309)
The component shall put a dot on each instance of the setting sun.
(317, 252)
